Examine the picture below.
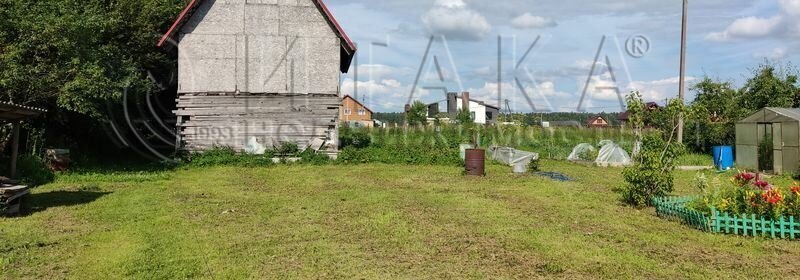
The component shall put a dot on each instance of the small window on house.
(472, 115)
(348, 111)
(362, 112)
(489, 116)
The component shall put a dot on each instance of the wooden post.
(14, 150)
(682, 80)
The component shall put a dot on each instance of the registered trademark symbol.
(637, 46)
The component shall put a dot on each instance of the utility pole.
(681, 90)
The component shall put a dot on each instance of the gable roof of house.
(772, 114)
(348, 47)
(357, 102)
(595, 118)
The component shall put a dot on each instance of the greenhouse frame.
(769, 141)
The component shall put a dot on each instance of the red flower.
(764, 185)
(796, 190)
(772, 197)
(744, 178)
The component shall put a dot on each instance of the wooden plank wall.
(212, 120)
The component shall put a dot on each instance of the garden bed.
(727, 223)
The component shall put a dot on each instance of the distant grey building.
(482, 113)
(264, 71)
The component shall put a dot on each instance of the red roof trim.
(350, 47)
(176, 26)
(359, 103)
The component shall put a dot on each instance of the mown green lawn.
(365, 221)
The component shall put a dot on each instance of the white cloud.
(380, 71)
(528, 21)
(790, 7)
(543, 96)
(454, 20)
(786, 23)
(452, 4)
(773, 54)
(387, 95)
(749, 27)
(659, 90)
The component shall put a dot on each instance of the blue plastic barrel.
(723, 157)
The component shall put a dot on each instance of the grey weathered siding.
(258, 47)
(267, 69)
(230, 120)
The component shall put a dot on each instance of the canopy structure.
(613, 155)
(769, 141)
(582, 152)
(13, 113)
(10, 112)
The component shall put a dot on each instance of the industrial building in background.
(264, 72)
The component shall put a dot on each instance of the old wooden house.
(266, 71)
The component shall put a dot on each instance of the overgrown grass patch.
(366, 221)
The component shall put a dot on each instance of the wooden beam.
(14, 150)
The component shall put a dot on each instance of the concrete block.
(262, 2)
(262, 19)
(307, 29)
(217, 17)
(266, 64)
(206, 75)
(300, 14)
(202, 46)
(315, 65)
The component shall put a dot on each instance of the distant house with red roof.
(597, 122)
(624, 116)
(355, 113)
(263, 72)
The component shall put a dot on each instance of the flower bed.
(744, 205)
(723, 222)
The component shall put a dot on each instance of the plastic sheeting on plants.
(513, 157)
(581, 152)
(613, 155)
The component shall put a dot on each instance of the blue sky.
(726, 39)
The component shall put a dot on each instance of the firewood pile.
(11, 194)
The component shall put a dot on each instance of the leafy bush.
(651, 174)
(312, 157)
(417, 114)
(533, 166)
(288, 149)
(31, 170)
(350, 137)
(228, 156)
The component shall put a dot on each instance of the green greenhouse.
(769, 141)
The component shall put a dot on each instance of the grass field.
(364, 221)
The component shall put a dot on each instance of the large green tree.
(772, 85)
(719, 105)
(77, 55)
(713, 115)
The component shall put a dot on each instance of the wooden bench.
(11, 196)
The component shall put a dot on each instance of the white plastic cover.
(513, 157)
(613, 155)
(253, 147)
(580, 151)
